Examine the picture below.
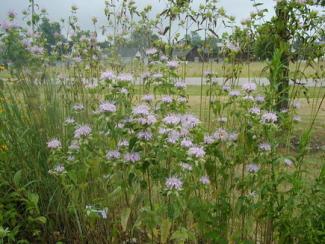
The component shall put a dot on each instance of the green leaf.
(4, 232)
(125, 217)
(41, 220)
(17, 177)
(180, 235)
(164, 229)
(33, 197)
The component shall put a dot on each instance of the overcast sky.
(58, 9)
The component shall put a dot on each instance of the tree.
(264, 44)
(51, 31)
(141, 38)
(241, 38)
(195, 39)
(282, 44)
(296, 22)
(212, 45)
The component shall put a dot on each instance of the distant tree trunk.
(283, 44)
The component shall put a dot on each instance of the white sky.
(58, 9)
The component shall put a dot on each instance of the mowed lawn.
(253, 69)
(194, 69)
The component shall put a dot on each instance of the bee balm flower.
(172, 64)
(234, 93)
(253, 168)
(174, 183)
(171, 119)
(54, 143)
(197, 152)
(125, 77)
(186, 166)
(141, 109)
(132, 157)
(113, 154)
(205, 180)
(265, 147)
(107, 107)
(269, 118)
(249, 87)
(83, 130)
(107, 75)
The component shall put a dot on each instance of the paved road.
(259, 81)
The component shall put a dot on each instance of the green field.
(253, 69)
(194, 69)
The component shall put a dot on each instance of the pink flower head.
(255, 111)
(205, 180)
(265, 147)
(288, 162)
(83, 130)
(147, 98)
(253, 168)
(209, 139)
(234, 93)
(74, 145)
(172, 64)
(148, 120)
(132, 157)
(249, 98)
(186, 143)
(171, 119)
(249, 87)
(221, 135)
(174, 183)
(6, 26)
(144, 135)
(57, 170)
(163, 58)
(107, 75)
(182, 99)
(12, 14)
(78, 107)
(197, 152)
(114, 154)
(107, 107)
(296, 104)
(36, 50)
(189, 121)
(69, 121)
(226, 88)
(233, 136)
(186, 166)
(141, 109)
(123, 143)
(269, 118)
(167, 99)
(180, 84)
(125, 77)
(173, 136)
(259, 99)
(54, 143)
